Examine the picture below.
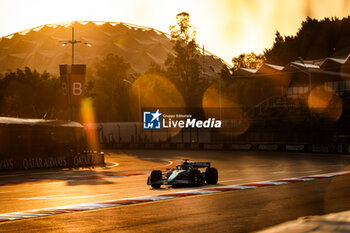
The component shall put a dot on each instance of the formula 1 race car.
(187, 173)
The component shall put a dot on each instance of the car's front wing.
(166, 182)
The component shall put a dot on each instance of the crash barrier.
(86, 159)
(133, 132)
(39, 143)
(296, 148)
(268, 147)
(306, 148)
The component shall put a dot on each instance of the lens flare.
(325, 103)
(219, 103)
(88, 119)
(156, 92)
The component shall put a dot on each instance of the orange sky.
(227, 27)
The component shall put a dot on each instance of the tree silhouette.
(248, 60)
(183, 68)
(28, 93)
(111, 100)
(316, 39)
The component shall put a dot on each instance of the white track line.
(114, 165)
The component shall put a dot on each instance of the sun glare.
(326, 103)
(88, 119)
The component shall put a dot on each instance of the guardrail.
(26, 162)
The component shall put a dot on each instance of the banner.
(77, 83)
(64, 82)
(72, 82)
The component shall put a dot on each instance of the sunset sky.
(226, 27)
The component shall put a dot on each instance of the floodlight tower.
(73, 42)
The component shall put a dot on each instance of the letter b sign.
(77, 88)
(77, 83)
(72, 82)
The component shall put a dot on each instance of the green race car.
(187, 173)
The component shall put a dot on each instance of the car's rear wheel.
(156, 175)
(211, 175)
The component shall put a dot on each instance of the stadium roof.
(269, 68)
(39, 47)
(244, 71)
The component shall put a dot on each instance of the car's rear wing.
(201, 164)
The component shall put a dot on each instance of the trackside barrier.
(269, 147)
(320, 149)
(35, 162)
(213, 146)
(295, 148)
(241, 146)
(333, 148)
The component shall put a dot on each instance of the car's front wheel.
(156, 175)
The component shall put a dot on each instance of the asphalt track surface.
(236, 211)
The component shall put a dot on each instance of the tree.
(315, 39)
(90, 89)
(155, 68)
(111, 98)
(248, 60)
(28, 93)
(183, 68)
(225, 73)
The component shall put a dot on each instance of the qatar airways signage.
(157, 120)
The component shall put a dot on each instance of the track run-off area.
(255, 190)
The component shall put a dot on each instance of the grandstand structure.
(39, 47)
(298, 76)
(294, 115)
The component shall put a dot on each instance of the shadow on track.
(71, 176)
